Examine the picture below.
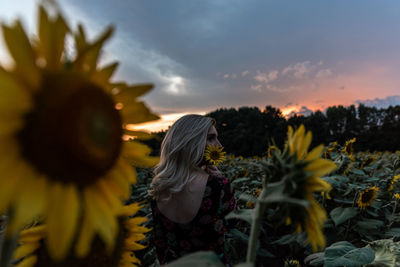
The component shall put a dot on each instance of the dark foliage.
(248, 131)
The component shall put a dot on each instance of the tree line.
(248, 131)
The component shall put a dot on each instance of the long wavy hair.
(182, 151)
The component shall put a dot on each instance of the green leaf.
(243, 214)
(343, 253)
(247, 197)
(239, 180)
(316, 259)
(340, 215)
(392, 232)
(357, 171)
(198, 259)
(265, 253)
(240, 235)
(370, 224)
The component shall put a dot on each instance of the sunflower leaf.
(345, 254)
(340, 215)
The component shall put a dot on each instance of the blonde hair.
(182, 151)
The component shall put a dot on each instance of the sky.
(299, 56)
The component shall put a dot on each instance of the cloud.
(266, 77)
(245, 73)
(303, 111)
(381, 102)
(295, 77)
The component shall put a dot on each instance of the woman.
(190, 197)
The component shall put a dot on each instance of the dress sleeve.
(227, 199)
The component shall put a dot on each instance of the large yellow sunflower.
(214, 155)
(62, 122)
(31, 252)
(314, 216)
(367, 197)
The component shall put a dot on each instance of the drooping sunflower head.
(368, 161)
(32, 251)
(348, 148)
(329, 149)
(367, 197)
(299, 171)
(214, 154)
(62, 120)
(292, 263)
(270, 149)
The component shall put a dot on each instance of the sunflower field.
(362, 226)
(75, 178)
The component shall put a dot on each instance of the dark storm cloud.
(214, 53)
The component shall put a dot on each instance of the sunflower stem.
(255, 228)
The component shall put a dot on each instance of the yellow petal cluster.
(43, 78)
(367, 197)
(214, 154)
(31, 251)
(298, 143)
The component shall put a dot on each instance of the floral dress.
(205, 232)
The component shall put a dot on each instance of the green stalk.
(255, 228)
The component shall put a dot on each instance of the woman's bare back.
(182, 207)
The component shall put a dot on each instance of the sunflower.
(251, 204)
(214, 155)
(270, 148)
(395, 179)
(367, 197)
(32, 252)
(327, 153)
(368, 161)
(313, 217)
(292, 263)
(62, 122)
(397, 196)
(348, 148)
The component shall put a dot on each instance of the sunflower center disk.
(214, 155)
(74, 132)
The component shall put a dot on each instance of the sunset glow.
(160, 125)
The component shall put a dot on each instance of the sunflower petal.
(112, 199)
(315, 153)
(320, 167)
(28, 262)
(62, 219)
(32, 235)
(129, 93)
(140, 134)
(52, 35)
(31, 199)
(137, 154)
(88, 54)
(25, 249)
(131, 209)
(102, 218)
(102, 76)
(137, 112)
(24, 57)
(85, 238)
(13, 98)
